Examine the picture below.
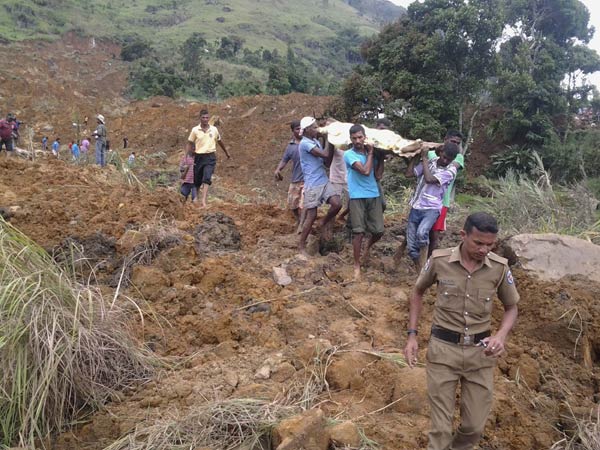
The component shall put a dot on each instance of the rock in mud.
(553, 256)
(305, 431)
(281, 276)
(264, 373)
(526, 369)
(217, 232)
(346, 368)
(411, 387)
(345, 434)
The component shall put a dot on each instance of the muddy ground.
(211, 282)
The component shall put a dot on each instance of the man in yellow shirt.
(203, 141)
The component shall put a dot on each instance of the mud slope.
(210, 266)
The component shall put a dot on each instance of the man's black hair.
(356, 128)
(203, 112)
(294, 124)
(451, 150)
(484, 222)
(454, 133)
(384, 121)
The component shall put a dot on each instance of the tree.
(426, 68)
(192, 50)
(547, 48)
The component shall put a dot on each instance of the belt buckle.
(467, 339)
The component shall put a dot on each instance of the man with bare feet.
(317, 188)
(203, 141)
(291, 153)
(366, 211)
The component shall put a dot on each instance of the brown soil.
(201, 289)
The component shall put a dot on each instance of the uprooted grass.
(153, 238)
(64, 350)
(240, 422)
(585, 436)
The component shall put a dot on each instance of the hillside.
(234, 39)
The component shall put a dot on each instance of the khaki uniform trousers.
(447, 364)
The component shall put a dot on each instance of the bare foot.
(357, 275)
(365, 259)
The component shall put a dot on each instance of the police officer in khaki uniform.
(462, 347)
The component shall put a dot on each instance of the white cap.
(307, 122)
(100, 117)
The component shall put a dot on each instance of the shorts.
(317, 195)
(294, 198)
(440, 224)
(204, 166)
(366, 215)
(341, 189)
(187, 189)
(8, 143)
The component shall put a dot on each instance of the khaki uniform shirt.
(464, 300)
(205, 142)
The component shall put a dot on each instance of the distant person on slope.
(85, 147)
(291, 153)
(75, 150)
(100, 135)
(45, 143)
(317, 188)
(203, 140)
(56, 147)
(186, 170)
(6, 139)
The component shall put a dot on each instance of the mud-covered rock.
(345, 370)
(345, 434)
(410, 388)
(217, 232)
(305, 431)
(526, 369)
(149, 280)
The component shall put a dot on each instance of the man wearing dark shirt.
(297, 182)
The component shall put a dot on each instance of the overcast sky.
(592, 5)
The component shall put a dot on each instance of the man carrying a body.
(317, 188)
(203, 140)
(462, 347)
(433, 177)
(291, 153)
(439, 226)
(366, 208)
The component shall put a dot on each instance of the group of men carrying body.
(462, 348)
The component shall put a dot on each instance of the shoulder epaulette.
(441, 252)
(500, 259)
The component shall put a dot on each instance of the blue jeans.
(420, 222)
(100, 153)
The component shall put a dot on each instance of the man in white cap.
(100, 135)
(317, 188)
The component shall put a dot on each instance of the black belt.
(458, 338)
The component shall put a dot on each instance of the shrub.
(63, 347)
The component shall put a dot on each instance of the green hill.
(236, 41)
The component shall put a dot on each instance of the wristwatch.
(412, 331)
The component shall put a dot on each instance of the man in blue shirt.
(366, 208)
(297, 182)
(317, 188)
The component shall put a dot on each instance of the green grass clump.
(64, 349)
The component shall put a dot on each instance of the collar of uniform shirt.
(457, 257)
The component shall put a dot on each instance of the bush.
(63, 347)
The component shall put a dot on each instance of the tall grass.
(533, 205)
(63, 349)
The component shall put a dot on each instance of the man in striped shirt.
(433, 178)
